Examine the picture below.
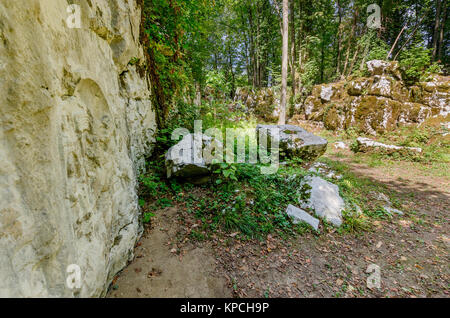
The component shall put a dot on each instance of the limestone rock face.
(294, 141)
(75, 123)
(263, 102)
(378, 103)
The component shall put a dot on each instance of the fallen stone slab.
(186, 160)
(299, 216)
(369, 145)
(323, 198)
(294, 141)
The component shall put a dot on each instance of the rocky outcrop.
(294, 141)
(75, 124)
(263, 102)
(378, 103)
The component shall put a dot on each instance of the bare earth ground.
(411, 251)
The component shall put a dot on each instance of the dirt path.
(411, 252)
(159, 270)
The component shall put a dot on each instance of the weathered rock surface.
(299, 216)
(262, 102)
(378, 103)
(392, 210)
(322, 197)
(368, 145)
(340, 145)
(188, 158)
(294, 141)
(75, 124)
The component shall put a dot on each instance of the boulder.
(298, 216)
(294, 141)
(322, 197)
(186, 160)
(369, 145)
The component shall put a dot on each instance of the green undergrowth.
(359, 191)
(250, 205)
(434, 159)
(436, 148)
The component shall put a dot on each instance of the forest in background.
(203, 57)
(226, 44)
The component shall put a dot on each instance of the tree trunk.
(352, 64)
(293, 50)
(442, 32)
(339, 42)
(395, 42)
(322, 59)
(350, 39)
(436, 29)
(284, 64)
(299, 46)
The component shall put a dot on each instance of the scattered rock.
(186, 159)
(388, 205)
(391, 210)
(369, 145)
(340, 145)
(323, 169)
(294, 142)
(322, 197)
(326, 93)
(380, 197)
(333, 175)
(319, 167)
(298, 216)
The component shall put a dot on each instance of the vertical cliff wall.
(75, 124)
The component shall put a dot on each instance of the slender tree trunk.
(410, 37)
(322, 58)
(436, 29)
(293, 49)
(363, 61)
(284, 64)
(258, 46)
(299, 46)
(339, 42)
(252, 47)
(350, 39)
(198, 95)
(442, 32)
(352, 64)
(395, 42)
